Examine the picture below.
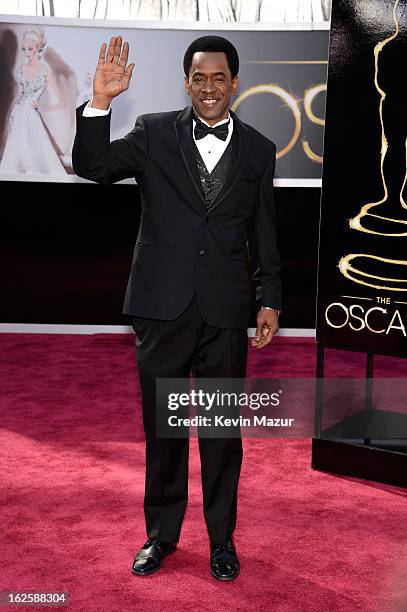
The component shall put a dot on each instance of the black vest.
(214, 182)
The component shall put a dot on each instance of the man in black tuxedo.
(207, 223)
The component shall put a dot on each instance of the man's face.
(210, 85)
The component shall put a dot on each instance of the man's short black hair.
(215, 44)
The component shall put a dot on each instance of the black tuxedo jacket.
(181, 245)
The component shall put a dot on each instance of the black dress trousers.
(172, 349)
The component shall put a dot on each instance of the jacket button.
(202, 252)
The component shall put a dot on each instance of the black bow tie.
(202, 130)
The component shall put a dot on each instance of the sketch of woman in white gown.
(30, 147)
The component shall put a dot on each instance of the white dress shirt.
(210, 147)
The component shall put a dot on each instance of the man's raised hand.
(112, 75)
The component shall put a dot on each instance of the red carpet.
(72, 489)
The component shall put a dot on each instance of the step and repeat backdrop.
(68, 247)
(362, 285)
(282, 91)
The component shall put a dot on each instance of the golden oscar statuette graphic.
(379, 217)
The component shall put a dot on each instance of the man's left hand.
(267, 326)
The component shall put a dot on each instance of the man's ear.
(187, 86)
(235, 84)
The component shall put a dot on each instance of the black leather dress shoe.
(150, 557)
(224, 562)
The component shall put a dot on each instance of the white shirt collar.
(215, 124)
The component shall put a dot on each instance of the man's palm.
(112, 77)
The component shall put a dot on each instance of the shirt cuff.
(90, 111)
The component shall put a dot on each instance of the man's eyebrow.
(198, 72)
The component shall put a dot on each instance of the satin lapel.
(183, 130)
(243, 144)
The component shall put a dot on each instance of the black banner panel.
(362, 275)
(66, 250)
